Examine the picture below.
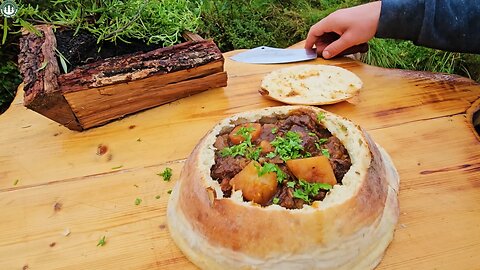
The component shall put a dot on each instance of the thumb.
(337, 47)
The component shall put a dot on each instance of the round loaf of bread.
(311, 85)
(350, 229)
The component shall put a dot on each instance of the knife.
(270, 55)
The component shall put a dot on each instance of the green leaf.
(270, 155)
(326, 153)
(322, 140)
(308, 190)
(275, 200)
(253, 153)
(320, 116)
(64, 64)
(102, 242)
(138, 201)
(166, 174)
(291, 184)
(300, 194)
(5, 30)
(245, 132)
(274, 130)
(288, 147)
(30, 28)
(270, 167)
(63, 60)
(43, 66)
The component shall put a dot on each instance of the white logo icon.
(8, 8)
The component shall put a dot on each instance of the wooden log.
(39, 68)
(127, 68)
(97, 106)
(99, 92)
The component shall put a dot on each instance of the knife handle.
(330, 37)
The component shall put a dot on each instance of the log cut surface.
(61, 191)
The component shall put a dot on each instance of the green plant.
(247, 24)
(9, 80)
(158, 22)
(406, 55)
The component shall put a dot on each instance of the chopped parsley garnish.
(246, 133)
(245, 148)
(308, 190)
(117, 167)
(169, 191)
(236, 150)
(270, 155)
(102, 242)
(138, 201)
(270, 167)
(300, 194)
(276, 200)
(320, 116)
(166, 174)
(312, 134)
(288, 147)
(274, 130)
(253, 153)
(322, 140)
(16, 182)
(157, 197)
(326, 153)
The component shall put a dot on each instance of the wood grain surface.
(62, 190)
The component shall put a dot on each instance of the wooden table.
(61, 191)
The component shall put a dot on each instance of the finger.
(338, 46)
(316, 31)
(320, 46)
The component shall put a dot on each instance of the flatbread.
(350, 229)
(311, 85)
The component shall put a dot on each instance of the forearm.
(452, 25)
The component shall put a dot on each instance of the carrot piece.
(236, 138)
(266, 147)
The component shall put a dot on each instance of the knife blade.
(270, 55)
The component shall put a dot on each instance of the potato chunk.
(238, 139)
(314, 169)
(259, 189)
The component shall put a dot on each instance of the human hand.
(355, 25)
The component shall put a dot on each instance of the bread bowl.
(350, 228)
(311, 84)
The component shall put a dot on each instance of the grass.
(232, 24)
